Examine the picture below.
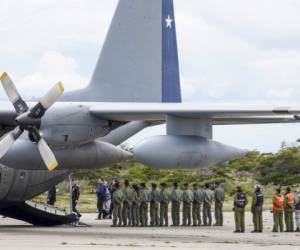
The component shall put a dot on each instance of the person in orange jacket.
(277, 209)
(289, 207)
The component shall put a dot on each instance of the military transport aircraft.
(135, 84)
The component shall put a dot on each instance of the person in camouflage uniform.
(257, 209)
(164, 199)
(187, 198)
(219, 200)
(127, 204)
(289, 207)
(118, 198)
(144, 201)
(176, 199)
(136, 206)
(207, 202)
(154, 206)
(198, 199)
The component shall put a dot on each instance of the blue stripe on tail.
(170, 66)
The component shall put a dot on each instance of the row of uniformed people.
(283, 206)
(131, 205)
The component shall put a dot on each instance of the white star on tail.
(169, 21)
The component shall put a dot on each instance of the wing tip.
(4, 76)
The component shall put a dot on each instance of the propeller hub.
(25, 121)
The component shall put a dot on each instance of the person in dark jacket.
(107, 202)
(75, 197)
(101, 192)
(51, 198)
(257, 209)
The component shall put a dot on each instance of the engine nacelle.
(184, 152)
(25, 155)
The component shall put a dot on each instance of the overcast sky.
(230, 51)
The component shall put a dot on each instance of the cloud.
(264, 23)
(36, 26)
(237, 51)
(281, 93)
(50, 69)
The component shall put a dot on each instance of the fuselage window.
(22, 175)
(66, 138)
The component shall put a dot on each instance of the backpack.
(241, 200)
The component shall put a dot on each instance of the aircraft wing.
(256, 120)
(219, 114)
(7, 117)
(7, 121)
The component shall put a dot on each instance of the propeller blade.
(13, 94)
(45, 151)
(52, 96)
(8, 140)
(47, 100)
(47, 155)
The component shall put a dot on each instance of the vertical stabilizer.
(139, 59)
(170, 66)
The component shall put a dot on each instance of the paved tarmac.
(21, 236)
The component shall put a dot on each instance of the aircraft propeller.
(30, 120)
